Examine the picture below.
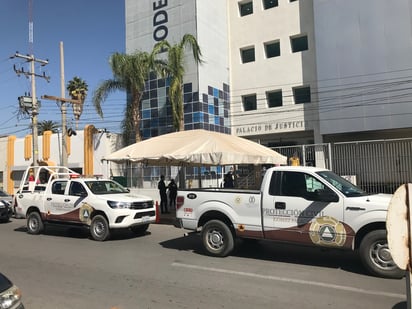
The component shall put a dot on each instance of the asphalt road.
(63, 268)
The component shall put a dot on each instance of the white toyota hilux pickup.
(301, 205)
(57, 195)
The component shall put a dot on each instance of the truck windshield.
(105, 187)
(344, 186)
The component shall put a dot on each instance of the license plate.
(145, 218)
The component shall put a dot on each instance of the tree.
(129, 74)
(175, 70)
(47, 125)
(77, 89)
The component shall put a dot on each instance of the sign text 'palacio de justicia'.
(276, 127)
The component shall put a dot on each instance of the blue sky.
(91, 30)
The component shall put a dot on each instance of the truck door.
(56, 203)
(300, 208)
(77, 194)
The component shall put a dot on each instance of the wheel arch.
(31, 209)
(98, 212)
(366, 229)
(215, 215)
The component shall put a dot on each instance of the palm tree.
(176, 70)
(77, 89)
(47, 125)
(129, 74)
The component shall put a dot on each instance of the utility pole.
(63, 111)
(63, 108)
(35, 107)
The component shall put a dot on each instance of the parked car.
(5, 196)
(10, 295)
(5, 211)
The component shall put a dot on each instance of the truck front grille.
(142, 205)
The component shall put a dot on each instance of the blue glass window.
(146, 114)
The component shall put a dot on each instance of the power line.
(34, 104)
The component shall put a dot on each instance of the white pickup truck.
(301, 205)
(58, 195)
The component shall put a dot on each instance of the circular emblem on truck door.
(85, 212)
(327, 231)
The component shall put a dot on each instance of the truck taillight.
(179, 201)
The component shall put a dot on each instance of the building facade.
(283, 72)
(206, 86)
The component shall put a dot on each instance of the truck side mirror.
(326, 196)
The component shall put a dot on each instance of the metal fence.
(376, 166)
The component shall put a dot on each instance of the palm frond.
(102, 92)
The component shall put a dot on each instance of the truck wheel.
(99, 228)
(217, 238)
(139, 229)
(375, 256)
(34, 223)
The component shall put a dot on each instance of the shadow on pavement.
(278, 252)
(81, 232)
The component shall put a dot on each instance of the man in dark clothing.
(163, 196)
(172, 193)
(228, 180)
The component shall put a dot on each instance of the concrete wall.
(364, 64)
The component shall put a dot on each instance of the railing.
(378, 166)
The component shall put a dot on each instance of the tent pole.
(199, 173)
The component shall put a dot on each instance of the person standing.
(228, 181)
(172, 187)
(163, 195)
(294, 160)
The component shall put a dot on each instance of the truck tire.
(217, 238)
(34, 223)
(375, 256)
(139, 229)
(99, 228)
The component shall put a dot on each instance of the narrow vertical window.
(248, 54)
(274, 98)
(246, 8)
(299, 43)
(272, 49)
(268, 4)
(249, 102)
(301, 95)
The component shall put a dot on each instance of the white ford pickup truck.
(301, 205)
(58, 195)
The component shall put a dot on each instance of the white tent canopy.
(197, 148)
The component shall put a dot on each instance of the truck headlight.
(10, 297)
(118, 205)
